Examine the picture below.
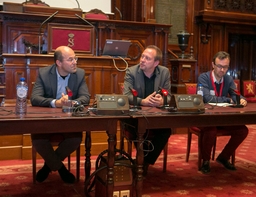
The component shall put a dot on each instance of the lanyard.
(214, 86)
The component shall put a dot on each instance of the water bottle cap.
(22, 79)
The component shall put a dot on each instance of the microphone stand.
(237, 93)
(135, 106)
(39, 35)
(164, 94)
(95, 30)
(238, 105)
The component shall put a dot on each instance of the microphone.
(69, 92)
(164, 94)
(120, 13)
(135, 103)
(237, 93)
(78, 4)
(39, 36)
(95, 29)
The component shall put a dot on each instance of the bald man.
(49, 91)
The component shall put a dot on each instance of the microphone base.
(135, 108)
(164, 107)
(237, 106)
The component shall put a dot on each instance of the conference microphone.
(237, 93)
(120, 13)
(69, 92)
(95, 29)
(78, 4)
(164, 94)
(163, 91)
(39, 37)
(135, 102)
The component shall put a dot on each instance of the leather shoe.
(66, 176)
(205, 167)
(43, 173)
(226, 163)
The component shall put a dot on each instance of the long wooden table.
(152, 118)
(53, 120)
(48, 120)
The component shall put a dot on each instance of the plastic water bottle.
(21, 99)
(200, 89)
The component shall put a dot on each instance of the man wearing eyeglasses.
(50, 91)
(218, 87)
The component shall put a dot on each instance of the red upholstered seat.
(191, 89)
(249, 89)
(237, 83)
(96, 14)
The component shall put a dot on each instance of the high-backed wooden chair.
(55, 142)
(191, 89)
(35, 3)
(96, 14)
(249, 91)
(124, 134)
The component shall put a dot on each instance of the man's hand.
(153, 100)
(63, 101)
(243, 102)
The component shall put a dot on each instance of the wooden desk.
(152, 118)
(48, 120)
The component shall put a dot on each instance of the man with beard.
(50, 91)
(146, 78)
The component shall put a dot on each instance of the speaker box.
(186, 103)
(112, 104)
(123, 178)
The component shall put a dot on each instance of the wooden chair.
(249, 91)
(96, 14)
(35, 3)
(55, 142)
(191, 89)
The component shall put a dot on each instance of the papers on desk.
(221, 104)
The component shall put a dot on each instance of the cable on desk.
(4, 112)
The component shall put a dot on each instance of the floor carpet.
(181, 178)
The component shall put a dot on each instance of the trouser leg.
(53, 158)
(208, 139)
(45, 149)
(238, 134)
(160, 138)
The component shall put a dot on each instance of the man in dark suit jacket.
(50, 91)
(219, 87)
(146, 78)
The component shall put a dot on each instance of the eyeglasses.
(222, 67)
(72, 59)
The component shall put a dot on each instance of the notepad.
(221, 104)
